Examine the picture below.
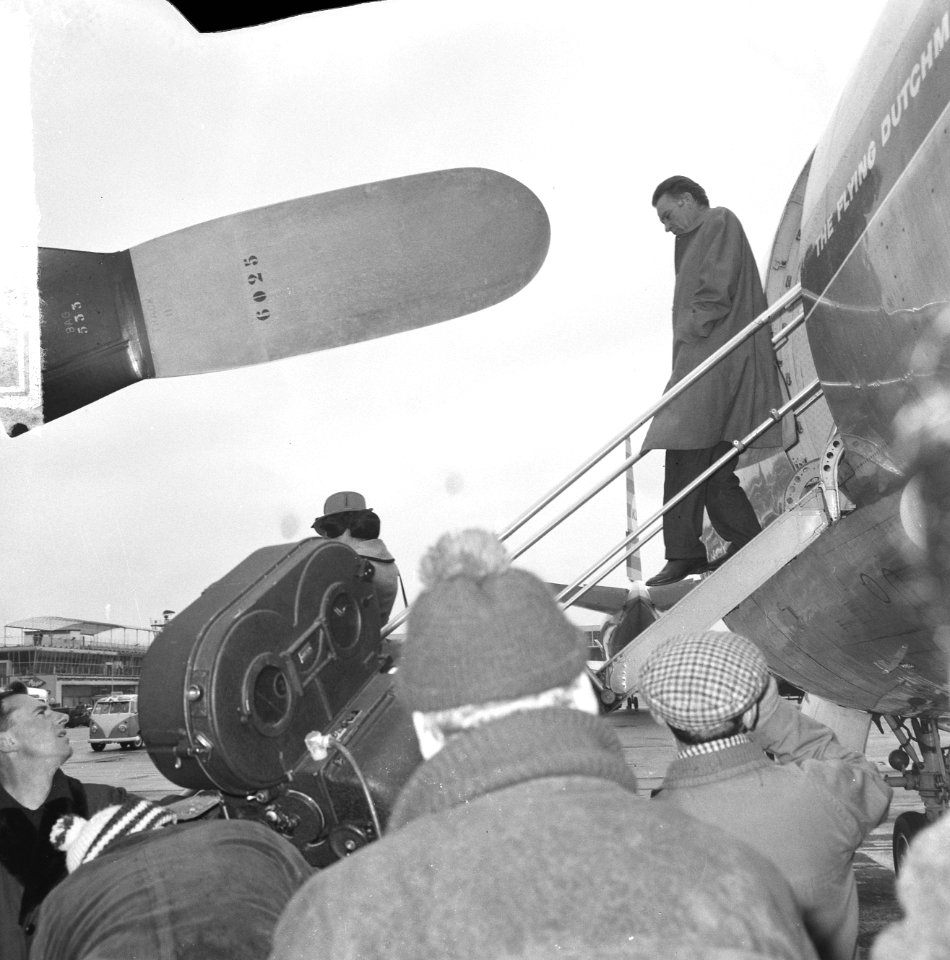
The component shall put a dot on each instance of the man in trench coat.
(717, 293)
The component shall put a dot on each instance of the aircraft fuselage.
(846, 619)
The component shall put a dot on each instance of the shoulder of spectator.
(99, 795)
(792, 737)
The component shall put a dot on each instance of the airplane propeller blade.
(295, 277)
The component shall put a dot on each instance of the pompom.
(482, 631)
(65, 831)
(476, 554)
(84, 840)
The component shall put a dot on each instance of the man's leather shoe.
(676, 570)
(731, 551)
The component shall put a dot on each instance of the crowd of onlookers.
(519, 835)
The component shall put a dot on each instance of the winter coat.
(386, 578)
(29, 866)
(210, 889)
(807, 813)
(524, 838)
(717, 293)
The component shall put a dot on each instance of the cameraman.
(347, 519)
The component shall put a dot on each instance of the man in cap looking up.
(499, 842)
(807, 811)
(347, 519)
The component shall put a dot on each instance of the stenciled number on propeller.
(259, 295)
(72, 320)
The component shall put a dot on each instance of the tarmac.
(648, 749)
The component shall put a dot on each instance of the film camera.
(286, 644)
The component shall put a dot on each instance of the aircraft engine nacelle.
(286, 644)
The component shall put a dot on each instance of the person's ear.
(750, 718)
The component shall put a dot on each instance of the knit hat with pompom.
(483, 631)
(84, 840)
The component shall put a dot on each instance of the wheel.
(137, 744)
(609, 701)
(906, 827)
(98, 747)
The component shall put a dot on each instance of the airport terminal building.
(77, 661)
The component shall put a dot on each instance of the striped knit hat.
(698, 681)
(84, 840)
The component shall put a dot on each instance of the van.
(115, 719)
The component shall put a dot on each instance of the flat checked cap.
(698, 681)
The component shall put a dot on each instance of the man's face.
(678, 214)
(35, 731)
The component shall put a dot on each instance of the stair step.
(724, 589)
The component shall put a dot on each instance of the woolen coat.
(807, 813)
(717, 293)
(525, 838)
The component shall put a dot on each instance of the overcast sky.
(143, 126)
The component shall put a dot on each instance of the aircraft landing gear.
(609, 701)
(925, 772)
(906, 827)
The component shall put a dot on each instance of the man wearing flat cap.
(499, 843)
(808, 810)
(346, 518)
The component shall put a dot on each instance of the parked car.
(79, 715)
(115, 719)
(59, 708)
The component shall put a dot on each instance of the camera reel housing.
(286, 643)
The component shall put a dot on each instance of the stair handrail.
(764, 318)
(776, 309)
(767, 316)
(797, 404)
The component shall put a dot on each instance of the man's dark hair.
(14, 689)
(728, 729)
(674, 186)
(333, 526)
(362, 524)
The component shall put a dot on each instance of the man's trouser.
(728, 507)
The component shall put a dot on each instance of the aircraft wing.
(600, 598)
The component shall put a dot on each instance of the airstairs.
(722, 590)
(811, 505)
